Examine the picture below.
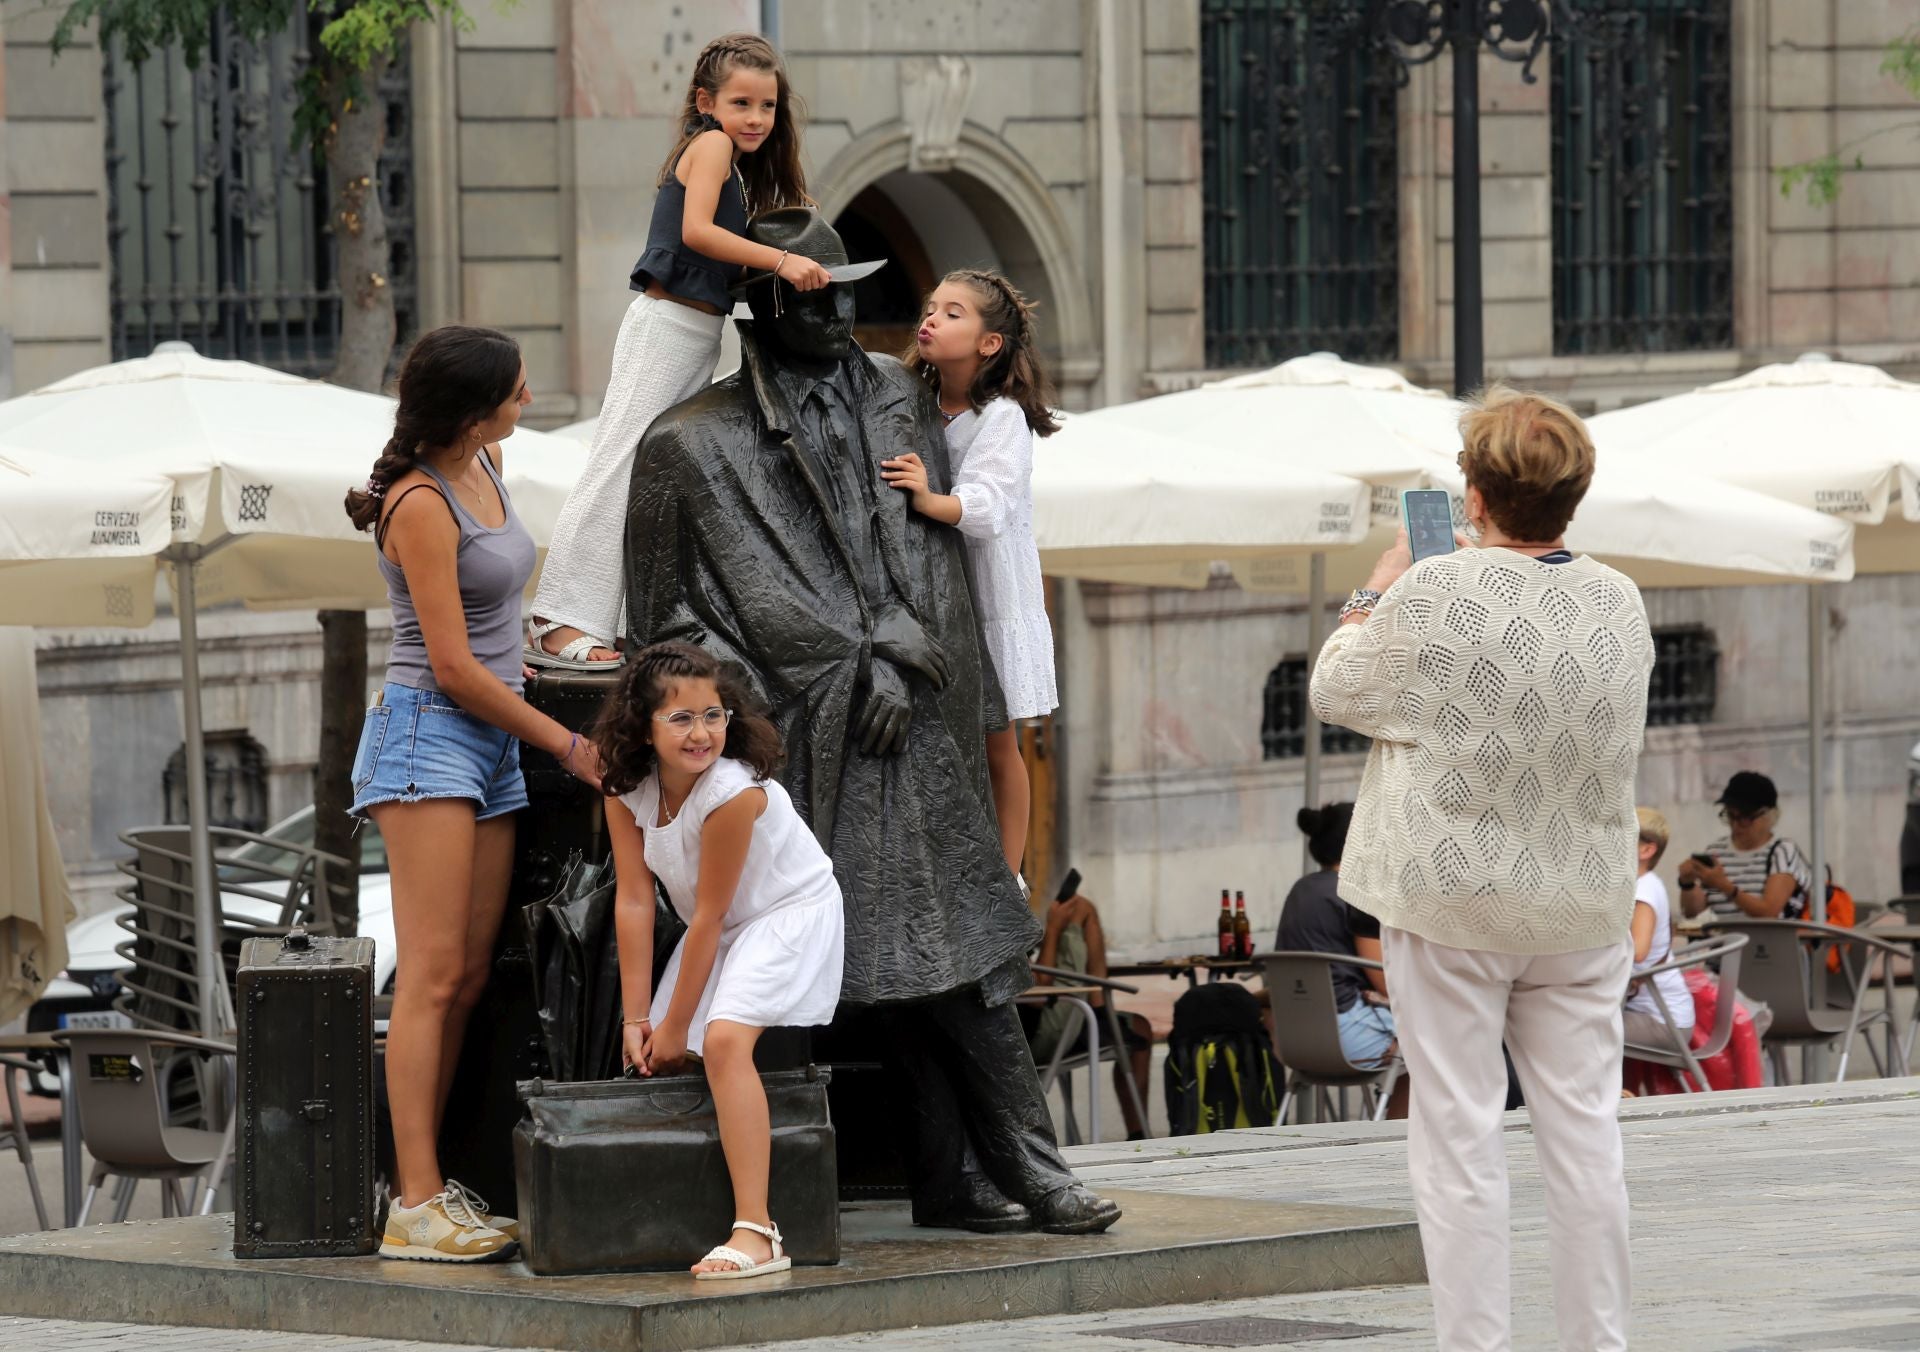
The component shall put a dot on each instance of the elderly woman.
(1505, 688)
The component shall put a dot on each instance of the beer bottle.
(1226, 924)
(1242, 931)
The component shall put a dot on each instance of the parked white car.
(82, 995)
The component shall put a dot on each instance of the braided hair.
(1014, 372)
(773, 173)
(623, 731)
(454, 377)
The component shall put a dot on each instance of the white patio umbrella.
(1116, 503)
(256, 463)
(78, 548)
(1837, 437)
(1373, 424)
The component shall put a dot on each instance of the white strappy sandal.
(571, 657)
(743, 1265)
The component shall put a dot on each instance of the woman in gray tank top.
(438, 768)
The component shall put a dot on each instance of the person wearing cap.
(1753, 872)
(761, 528)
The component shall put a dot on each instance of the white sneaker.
(442, 1229)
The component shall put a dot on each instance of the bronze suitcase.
(305, 1130)
(628, 1176)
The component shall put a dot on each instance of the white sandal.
(571, 657)
(743, 1265)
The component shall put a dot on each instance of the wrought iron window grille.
(1300, 200)
(1685, 685)
(1642, 170)
(219, 231)
(1283, 717)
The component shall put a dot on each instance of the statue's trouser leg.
(943, 1168)
(983, 1053)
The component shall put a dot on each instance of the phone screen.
(1429, 515)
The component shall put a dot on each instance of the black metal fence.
(218, 227)
(1643, 177)
(1300, 193)
(1283, 717)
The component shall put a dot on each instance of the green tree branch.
(1822, 177)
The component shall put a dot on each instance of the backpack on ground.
(1221, 1072)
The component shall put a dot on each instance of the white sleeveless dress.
(782, 943)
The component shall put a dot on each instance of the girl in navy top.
(738, 155)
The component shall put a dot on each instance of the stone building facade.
(1076, 145)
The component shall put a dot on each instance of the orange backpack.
(1839, 908)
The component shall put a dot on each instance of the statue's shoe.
(1075, 1211)
(983, 1210)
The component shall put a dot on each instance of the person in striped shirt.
(1753, 872)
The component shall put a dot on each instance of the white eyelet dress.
(782, 944)
(991, 452)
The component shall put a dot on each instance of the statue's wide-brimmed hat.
(802, 230)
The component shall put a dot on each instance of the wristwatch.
(1363, 600)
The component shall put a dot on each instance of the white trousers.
(665, 353)
(1560, 1016)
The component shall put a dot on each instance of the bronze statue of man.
(760, 528)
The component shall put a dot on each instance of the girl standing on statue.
(738, 155)
(976, 347)
(689, 760)
(438, 769)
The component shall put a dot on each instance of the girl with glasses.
(689, 758)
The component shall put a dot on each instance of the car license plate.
(102, 1018)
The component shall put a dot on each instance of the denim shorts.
(1366, 1031)
(419, 744)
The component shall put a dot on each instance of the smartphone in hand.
(1069, 886)
(1428, 513)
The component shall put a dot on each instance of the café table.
(1189, 967)
(43, 1048)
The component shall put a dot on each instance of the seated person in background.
(1073, 942)
(1316, 920)
(1753, 872)
(1653, 945)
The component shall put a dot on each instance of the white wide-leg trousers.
(665, 353)
(1560, 1016)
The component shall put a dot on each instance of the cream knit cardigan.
(1506, 699)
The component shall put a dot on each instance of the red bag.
(1737, 1066)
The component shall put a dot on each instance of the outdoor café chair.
(1306, 1033)
(1785, 965)
(1680, 1055)
(10, 1067)
(121, 1077)
(1113, 1047)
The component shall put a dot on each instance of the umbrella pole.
(1310, 725)
(206, 912)
(1813, 1058)
(1817, 743)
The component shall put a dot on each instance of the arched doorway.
(988, 209)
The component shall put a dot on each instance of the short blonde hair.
(1653, 830)
(1530, 457)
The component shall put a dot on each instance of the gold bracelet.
(626, 1022)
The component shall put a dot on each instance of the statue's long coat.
(731, 544)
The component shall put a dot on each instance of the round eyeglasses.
(681, 721)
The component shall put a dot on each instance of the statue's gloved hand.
(898, 637)
(880, 728)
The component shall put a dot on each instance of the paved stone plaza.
(1765, 1221)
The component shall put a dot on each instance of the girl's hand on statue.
(906, 473)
